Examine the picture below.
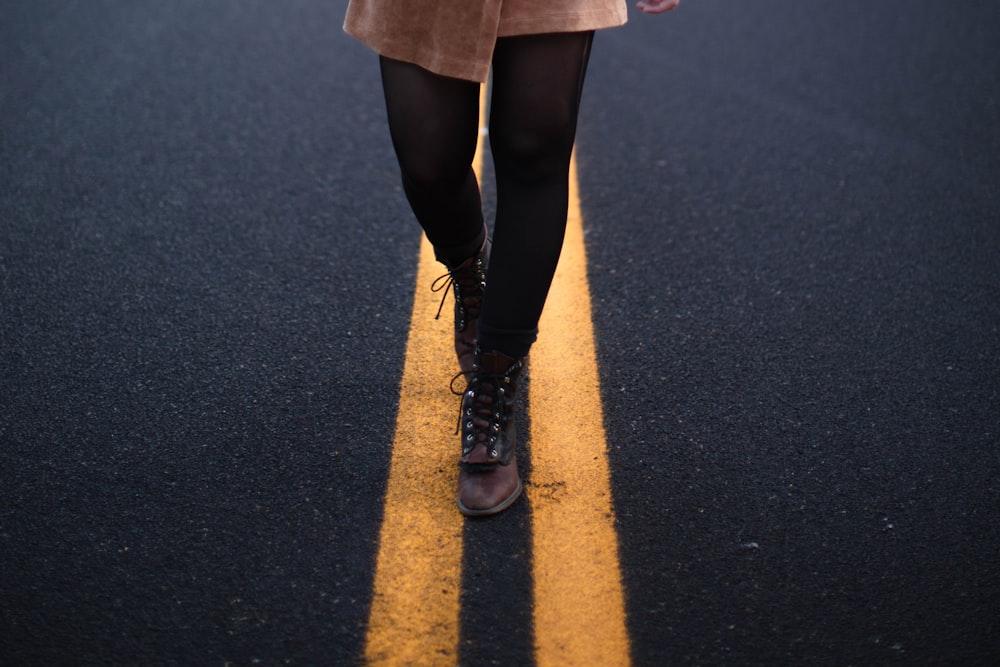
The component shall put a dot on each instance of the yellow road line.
(579, 606)
(414, 614)
(418, 571)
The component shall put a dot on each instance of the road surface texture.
(206, 275)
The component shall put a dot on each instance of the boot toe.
(481, 493)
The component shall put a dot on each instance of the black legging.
(434, 122)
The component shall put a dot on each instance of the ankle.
(515, 343)
(452, 256)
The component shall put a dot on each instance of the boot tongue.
(495, 363)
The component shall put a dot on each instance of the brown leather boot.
(488, 482)
(468, 281)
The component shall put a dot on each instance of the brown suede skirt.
(456, 38)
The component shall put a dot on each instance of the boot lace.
(484, 409)
(467, 281)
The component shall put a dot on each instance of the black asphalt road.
(206, 268)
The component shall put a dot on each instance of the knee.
(429, 174)
(435, 159)
(535, 146)
(434, 167)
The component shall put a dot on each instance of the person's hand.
(657, 6)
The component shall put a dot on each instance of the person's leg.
(537, 82)
(434, 124)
